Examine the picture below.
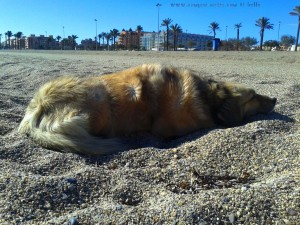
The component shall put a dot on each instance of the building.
(194, 41)
(148, 41)
(14, 43)
(35, 42)
(41, 42)
(187, 41)
(130, 39)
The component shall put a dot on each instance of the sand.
(242, 175)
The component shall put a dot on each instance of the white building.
(193, 41)
(152, 41)
(147, 41)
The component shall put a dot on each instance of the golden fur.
(86, 115)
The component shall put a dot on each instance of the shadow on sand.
(146, 140)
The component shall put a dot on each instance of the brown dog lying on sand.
(85, 115)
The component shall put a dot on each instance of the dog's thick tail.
(64, 133)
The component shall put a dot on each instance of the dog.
(89, 115)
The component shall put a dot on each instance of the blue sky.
(194, 16)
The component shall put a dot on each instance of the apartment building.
(154, 41)
(40, 42)
(14, 43)
(130, 39)
(193, 41)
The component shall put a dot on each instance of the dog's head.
(239, 102)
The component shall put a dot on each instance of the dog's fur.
(86, 115)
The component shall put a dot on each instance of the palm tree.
(15, 43)
(166, 23)
(73, 40)
(9, 35)
(103, 37)
(263, 23)
(18, 36)
(214, 26)
(108, 37)
(58, 39)
(176, 29)
(297, 13)
(5, 39)
(139, 30)
(114, 34)
(237, 27)
(99, 37)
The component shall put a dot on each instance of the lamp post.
(96, 34)
(226, 39)
(63, 41)
(186, 44)
(157, 45)
(278, 30)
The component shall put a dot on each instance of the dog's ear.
(230, 113)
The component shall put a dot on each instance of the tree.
(15, 42)
(166, 23)
(287, 40)
(114, 34)
(214, 26)
(99, 37)
(8, 35)
(271, 43)
(263, 23)
(87, 44)
(73, 41)
(176, 29)
(107, 37)
(18, 36)
(103, 37)
(58, 39)
(228, 45)
(65, 43)
(237, 27)
(139, 30)
(248, 42)
(50, 43)
(297, 13)
(0, 40)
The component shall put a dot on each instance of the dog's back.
(85, 115)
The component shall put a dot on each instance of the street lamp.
(278, 30)
(186, 35)
(63, 41)
(96, 34)
(158, 5)
(226, 39)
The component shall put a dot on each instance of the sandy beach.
(248, 174)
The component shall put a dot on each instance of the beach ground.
(248, 174)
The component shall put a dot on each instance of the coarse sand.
(248, 174)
